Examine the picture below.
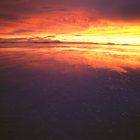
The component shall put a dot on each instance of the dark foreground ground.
(46, 99)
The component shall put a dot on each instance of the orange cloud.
(72, 25)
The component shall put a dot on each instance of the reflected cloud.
(72, 57)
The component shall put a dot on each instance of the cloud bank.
(22, 16)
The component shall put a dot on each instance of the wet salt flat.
(69, 91)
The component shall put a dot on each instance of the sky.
(103, 21)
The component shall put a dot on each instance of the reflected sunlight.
(115, 57)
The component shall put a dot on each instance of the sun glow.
(100, 39)
(106, 32)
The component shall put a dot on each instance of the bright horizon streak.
(100, 39)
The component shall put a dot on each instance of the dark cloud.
(119, 9)
(19, 31)
(9, 17)
(122, 9)
(22, 31)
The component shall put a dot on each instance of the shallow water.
(69, 91)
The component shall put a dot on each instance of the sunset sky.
(102, 21)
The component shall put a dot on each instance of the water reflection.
(69, 92)
(115, 57)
